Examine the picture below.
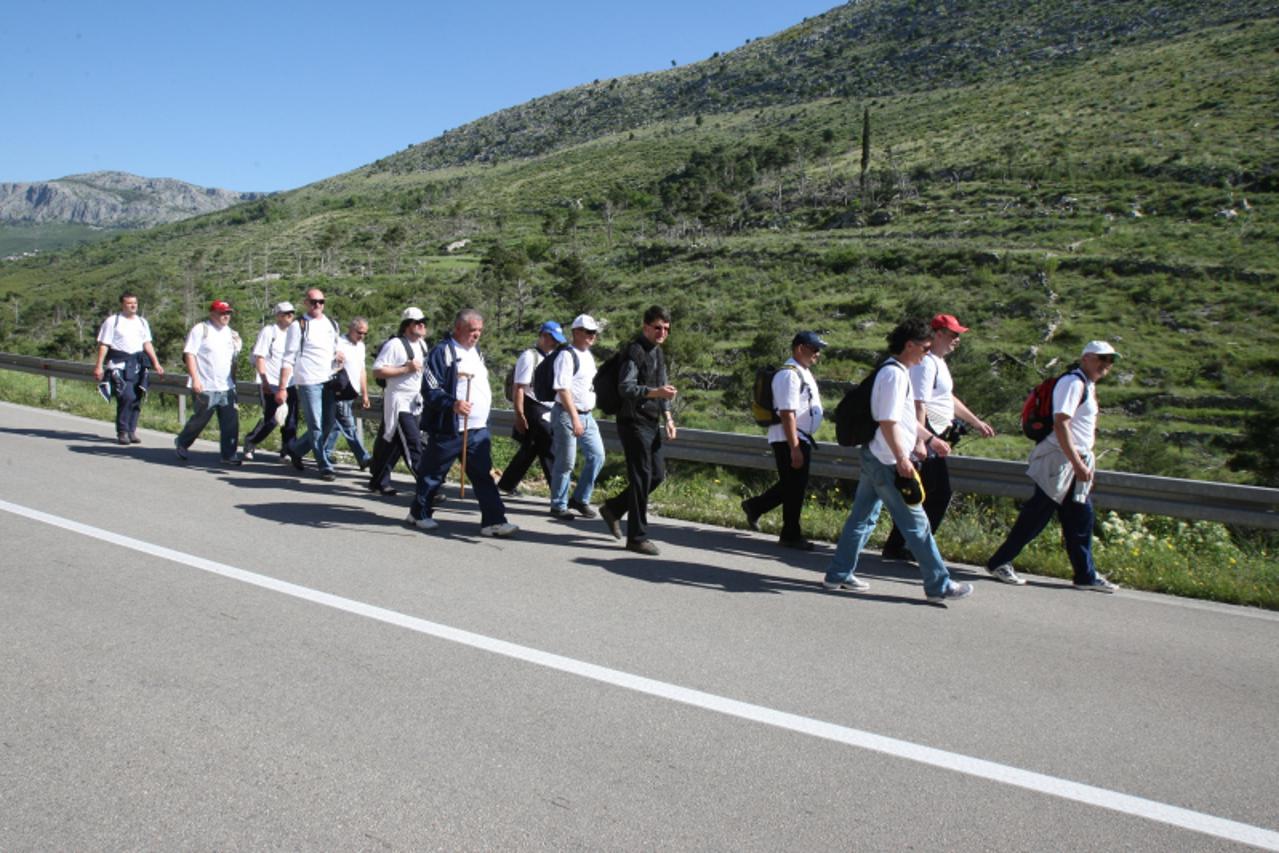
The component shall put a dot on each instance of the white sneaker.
(954, 592)
(1100, 584)
(501, 531)
(427, 523)
(1006, 574)
(247, 456)
(853, 584)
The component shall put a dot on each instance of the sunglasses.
(316, 301)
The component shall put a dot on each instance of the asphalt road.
(200, 657)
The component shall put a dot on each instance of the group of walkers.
(437, 400)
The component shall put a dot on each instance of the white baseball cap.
(412, 314)
(1099, 348)
(284, 308)
(587, 322)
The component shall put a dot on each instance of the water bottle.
(1082, 488)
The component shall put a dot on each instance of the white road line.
(1031, 781)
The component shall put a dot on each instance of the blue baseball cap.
(552, 328)
(809, 338)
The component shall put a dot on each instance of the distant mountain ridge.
(112, 200)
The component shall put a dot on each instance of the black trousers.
(405, 443)
(263, 428)
(645, 471)
(534, 444)
(789, 490)
(935, 476)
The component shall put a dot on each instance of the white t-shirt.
(795, 390)
(270, 346)
(403, 393)
(524, 367)
(215, 349)
(935, 388)
(126, 334)
(891, 400)
(312, 360)
(581, 384)
(1083, 418)
(353, 361)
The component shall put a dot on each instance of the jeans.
(206, 404)
(645, 471)
(438, 457)
(935, 476)
(787, 492)
(264, 427)
(344, 424)
(1076, 532)
(564, 447)
(876, 488)
(318, 409)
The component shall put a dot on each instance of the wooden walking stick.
(465, 426)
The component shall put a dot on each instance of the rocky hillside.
(111, 200)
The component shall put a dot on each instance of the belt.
(583, 411)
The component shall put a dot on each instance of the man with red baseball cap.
(210, 352)
(943, 418)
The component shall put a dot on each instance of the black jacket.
(642, 369)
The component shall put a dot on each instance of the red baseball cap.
(949, 323)
(220, 307)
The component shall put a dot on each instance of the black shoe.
(296, 461)
(512, 492)
(752, 519)
(562, 514)
(643, 547)
(611, 521)
(800, 544)
(897, 552)
(122, 438)
(235, 461)
(364, 466)
(133, 438)
(328, 476)
(384, 491)
(584, 509)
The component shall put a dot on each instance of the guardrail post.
(53, 388)
(182, 410)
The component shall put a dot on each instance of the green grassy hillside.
(1112, 176)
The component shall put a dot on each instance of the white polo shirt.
(215, 349)
(795, 389)
(580, 385)
(891, 400)
(126, 334)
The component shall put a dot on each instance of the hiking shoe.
(248, 450)
(427, 523)
(133, 438)
(853, 584)
(513, 492)
(611, 521)
(583, 508)
(752, 518)
(643, 547)
(328, 476)
(954, 592)
(180, 450)
(501, 531)
(800, 544)
(1005, 573)
(1098, 584)
(234, 461)
(122, 438)
(897, 553)
(296, 461)
(562, 514)
(384, 491)
(363, 464)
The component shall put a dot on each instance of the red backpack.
(1037, 411)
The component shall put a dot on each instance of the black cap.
(809, 338)
(912, 490)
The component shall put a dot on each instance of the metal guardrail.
(1249, 506)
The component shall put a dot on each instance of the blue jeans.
(318, 409)
(344, 424)
(438, 457)
(1076, 532)
(564, 448)
(877, 488)
(206, 404)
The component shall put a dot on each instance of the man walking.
(572, 423)
(268, 359)
(124, 348)
(936, 408)
(643, 418)
(310, 357)
(210, 352)
(797, 407)
(884, 459)
(1062, 467)
(457, 403)
(351, 355)
(400, 364)
(532, 416)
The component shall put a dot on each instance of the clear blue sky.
(273, 95)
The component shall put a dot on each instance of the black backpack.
(544, 374)
(508, 386)
(762, 408)
(608, 379)
(854, 422)
(408, 349)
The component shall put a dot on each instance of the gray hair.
(465, 316)
(358, 321)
